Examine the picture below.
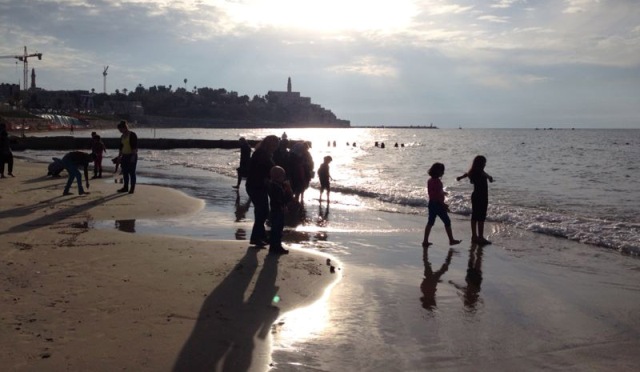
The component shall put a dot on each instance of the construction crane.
(104, 75)
(24, 59)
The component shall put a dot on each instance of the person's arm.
(133, 141)
(463, 177)
(489, 177)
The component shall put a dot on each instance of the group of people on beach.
(277, 178)
(479, 201)
(127, 159)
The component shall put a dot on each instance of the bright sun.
(326, 15)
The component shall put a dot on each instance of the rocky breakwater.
(69, 143)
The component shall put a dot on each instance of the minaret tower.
(33, 78)
(289, 85)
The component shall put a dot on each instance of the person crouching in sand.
(72, 162)
(437, 206)
(279, 195)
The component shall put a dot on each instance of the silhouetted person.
(377, 144)
(437, 206)
(245, 158)
(257, 186)
(128, 154)
(98, 149)
(334, 143)
(6, 156)
(325, 177)
(279, 196)
(281, 155)
(479, 198)
(300, 170)
(382, 145)
(396, 145)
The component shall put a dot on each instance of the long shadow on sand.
(53, 217)
(223, 336)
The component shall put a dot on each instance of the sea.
(558, 287)
(577, 184)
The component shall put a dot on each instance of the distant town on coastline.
(160, 106)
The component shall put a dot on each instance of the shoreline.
(94, 299)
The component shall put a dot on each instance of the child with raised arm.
(479, 198)
(437, 206)
(325, 177)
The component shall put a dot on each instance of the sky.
(484, 64)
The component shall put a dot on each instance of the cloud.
(578, 6)
(493, 18)
(367, 65)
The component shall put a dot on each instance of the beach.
(78, 298)
(557, 289)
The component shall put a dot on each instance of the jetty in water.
(69, 143)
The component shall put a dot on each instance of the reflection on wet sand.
(126, 225)
(241, 208)
(431, 279)
(471, 292)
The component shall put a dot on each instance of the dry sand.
(77, 298)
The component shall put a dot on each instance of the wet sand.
(79, 298)
(526, 302)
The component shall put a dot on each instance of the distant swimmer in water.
(437, 205)
(479, 198)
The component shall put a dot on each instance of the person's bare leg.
(427, 231)
(474, 234)
(452, 241)
(481, 238)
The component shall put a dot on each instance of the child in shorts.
(437, 205)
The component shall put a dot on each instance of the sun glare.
(325, 16)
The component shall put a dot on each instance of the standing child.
(279, 195)
(325, 177)
(479, 198)
(437, 206)
(98, 148)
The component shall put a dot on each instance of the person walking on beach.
(72, 161)
(279, 195)
(128, 155)
(98, 149)
(479, 198)
(325, 177)
(437, 206)
(257, 187)
(245, 158)
(6, 156)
